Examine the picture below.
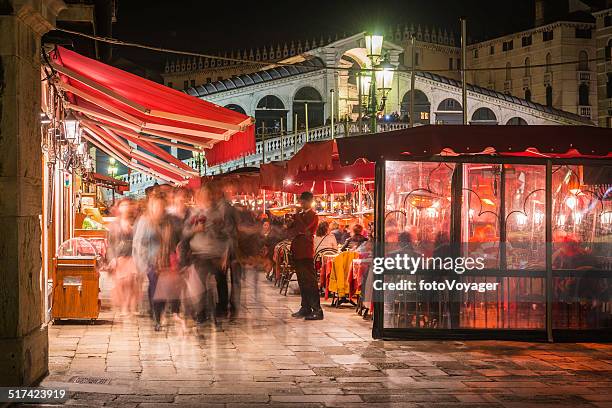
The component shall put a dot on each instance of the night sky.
(211, 26)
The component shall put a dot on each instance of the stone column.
(23, 332)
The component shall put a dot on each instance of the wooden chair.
(319, 256)
(288, 272)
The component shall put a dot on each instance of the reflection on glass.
(525, 217)
(417, 198)
(480, 212)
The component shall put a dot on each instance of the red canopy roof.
(313, 156)
(530, 141)
(115, 106)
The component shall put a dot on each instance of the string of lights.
(115, 41)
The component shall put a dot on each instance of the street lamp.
(380, 78)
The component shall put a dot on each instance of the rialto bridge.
(275, 96)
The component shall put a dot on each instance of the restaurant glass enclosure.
(500, 212)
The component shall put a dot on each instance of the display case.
(76, 283)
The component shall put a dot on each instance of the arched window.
(609, 51)
(422, 107)
(308, 96)
(583, 95)
(527, 67)
(549, 96)
(484, 116)
(450, 104)
(508, 71)
(268, 114)
(517, 121)
(528, 94)
(548, 62)
(236, 108)
(609, 86)
(583, 61)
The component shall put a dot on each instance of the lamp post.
(380, 78)
(112, 171)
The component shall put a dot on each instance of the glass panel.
(480, 212)
(525, 217)
(417, 206)
(582, 247)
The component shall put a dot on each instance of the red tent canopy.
(313, 156)
(115, 107)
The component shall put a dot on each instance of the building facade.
(603, 38)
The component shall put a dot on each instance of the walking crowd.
(191, 250)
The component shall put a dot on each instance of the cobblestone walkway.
(268, 359)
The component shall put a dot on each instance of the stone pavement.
(268, 359)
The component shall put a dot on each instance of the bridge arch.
(269, 111)
(517, 121)
(236, 108)
(483, 116)
(449, 112)
(422, 107)
(316, 107)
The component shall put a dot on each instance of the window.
(548, 62)
(527, 67)
(208, 80)
(608, 21)
(193, 83)
(170, 85)
(609, 86)
(185, 84)
(492, 50)
(527, 95)
(547, 36)
(450, 64)
(549, 96)
(476, 53)
(508, 71)
(458, 63)
(583, 61)
(584, 33)
(583, 95)
(609, 51)
(508, 45)
(416, 58)
(527, 41)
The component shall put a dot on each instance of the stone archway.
(449, 112)
(483, 116)
(422, 107)
(517, 121)
(236, 108)
(308, 96)
(269, 112)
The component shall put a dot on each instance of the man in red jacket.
(302, 249)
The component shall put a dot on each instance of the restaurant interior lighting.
(571, 202)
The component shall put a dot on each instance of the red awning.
(119, 186)
(313, 156)
(272, 175)
(529, 141)
(116, 107)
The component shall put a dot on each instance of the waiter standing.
(302, 249)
